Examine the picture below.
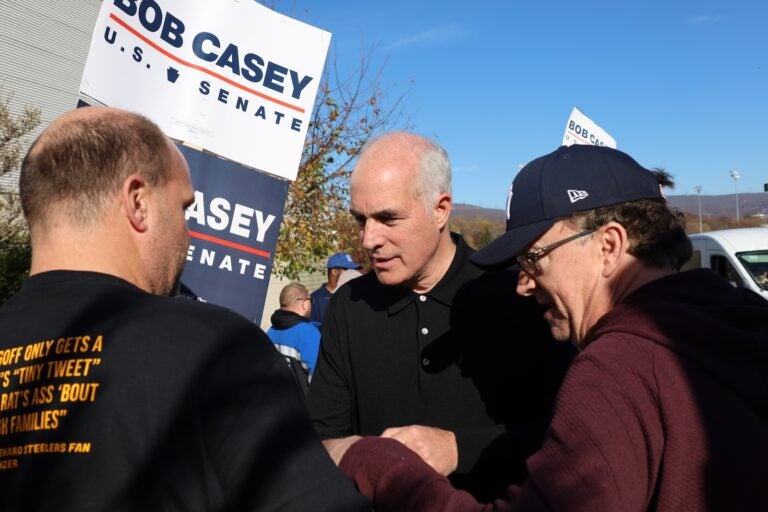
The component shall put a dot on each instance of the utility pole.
(736, 175)
(697, 188)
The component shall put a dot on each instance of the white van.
(739, 255)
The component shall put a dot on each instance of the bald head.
(80, 161)
(295, 297)
(104, 190)
(291, 293)
(413, 154)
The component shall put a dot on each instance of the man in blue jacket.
(292, 332)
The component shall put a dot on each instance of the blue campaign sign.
(233, 227)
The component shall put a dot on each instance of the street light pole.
(736, 175)
(697, 188)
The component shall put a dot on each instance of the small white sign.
(582, 130)
(232, 77)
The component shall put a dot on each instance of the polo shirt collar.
(448, 286)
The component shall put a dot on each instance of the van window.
(756, 263)
(723, 267)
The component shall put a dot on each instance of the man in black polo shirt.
(427, 348)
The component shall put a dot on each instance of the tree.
(476, 230)
(348, 112)
(15, 252)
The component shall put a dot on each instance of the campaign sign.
(582, 130)
(230, 76)
(233, 227)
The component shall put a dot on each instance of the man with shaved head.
(116, 396)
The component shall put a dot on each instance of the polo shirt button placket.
(424, 331)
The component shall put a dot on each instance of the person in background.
(761, 276)
(348, 275)
(294, 335)
(665, 408)
(117, 396)
(427, 348)
(336, 264)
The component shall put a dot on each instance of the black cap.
(571, 179)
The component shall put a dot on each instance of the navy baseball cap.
(342, 260)
(571, 179)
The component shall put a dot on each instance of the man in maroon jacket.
(666, 406)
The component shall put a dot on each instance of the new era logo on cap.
(576, 195)
(555, 186)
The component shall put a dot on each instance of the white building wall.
(43, 48)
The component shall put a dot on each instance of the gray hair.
(434, 173)
(434, 166)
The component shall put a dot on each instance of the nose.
(525, 284)
(369, 235)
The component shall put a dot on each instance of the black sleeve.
(517, 366)
(262, 443)
(330, 399)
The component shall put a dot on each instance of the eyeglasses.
(305, 298)
(529, 261)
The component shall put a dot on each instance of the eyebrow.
(386, 213)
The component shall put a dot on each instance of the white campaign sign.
(582, 130)
(232, 77)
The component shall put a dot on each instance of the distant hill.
(723, 205)
(712, 206)
(469, 212)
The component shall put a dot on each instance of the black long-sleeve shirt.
(151, 403)
(470, 356)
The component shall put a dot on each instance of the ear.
(614, 243)
(442, 211)
(133, 198)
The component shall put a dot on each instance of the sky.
(681, 85)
